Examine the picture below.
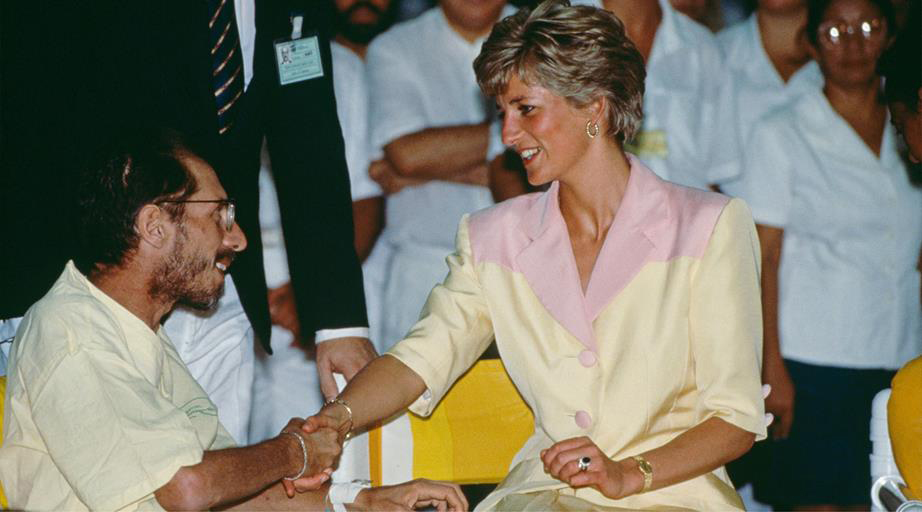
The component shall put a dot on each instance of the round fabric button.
(587, 358)
(583, 420)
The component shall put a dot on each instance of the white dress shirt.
(849, 285)
(757, 88)
(687, 135)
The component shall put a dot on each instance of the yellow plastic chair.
(904, 414)
(470, 438)
(3, 504)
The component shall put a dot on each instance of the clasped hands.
(323, 447)
(324, 435)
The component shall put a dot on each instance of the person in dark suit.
(80, 73)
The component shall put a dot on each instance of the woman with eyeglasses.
(840, 225)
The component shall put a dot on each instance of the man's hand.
(420, 493)
(341, 355)
(385, 175)
(323, 449)
(780, 402)
(282, 310)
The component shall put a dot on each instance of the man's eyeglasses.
(230, 208)
(833, 33)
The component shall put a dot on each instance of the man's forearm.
(226, 476)
(439, 153)
(274, 498)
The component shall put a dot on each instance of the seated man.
(101, 411)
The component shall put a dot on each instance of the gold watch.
(647, 471)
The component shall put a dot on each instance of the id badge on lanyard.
(298, 57)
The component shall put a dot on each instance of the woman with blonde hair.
(625, 308)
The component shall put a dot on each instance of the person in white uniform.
(841, 230)
(434, 127)
(769, 66)
(687, 136)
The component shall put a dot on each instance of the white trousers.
(412, 272)
(217, 346)
(285, 385)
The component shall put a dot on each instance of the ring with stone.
(583, 463)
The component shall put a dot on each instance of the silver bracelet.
(303, 457)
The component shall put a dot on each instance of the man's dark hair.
(901, 65)
(136, 169)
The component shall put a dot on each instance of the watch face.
(645, 466)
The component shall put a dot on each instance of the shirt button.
(587, 358)
(583, 420)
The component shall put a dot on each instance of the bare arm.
(229, 475)
(406, 496)
(781, 400)
(697, 451)
(381, 389)
(439, 153)
(368, 215)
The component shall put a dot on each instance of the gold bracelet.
(345, 404)
(647, 470)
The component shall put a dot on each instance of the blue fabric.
(825, 459)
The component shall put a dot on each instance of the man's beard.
(361, 33)
(177, 278)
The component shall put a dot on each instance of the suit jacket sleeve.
(309, 166)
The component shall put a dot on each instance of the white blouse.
(849, 282)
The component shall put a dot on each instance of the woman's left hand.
(561, 461)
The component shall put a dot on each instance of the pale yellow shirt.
(101, 411)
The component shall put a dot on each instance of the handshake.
(315, 446)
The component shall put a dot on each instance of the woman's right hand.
(333, 416)
(420, 493)
(607, 475)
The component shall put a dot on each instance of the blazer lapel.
(631, 239)
(550, 269)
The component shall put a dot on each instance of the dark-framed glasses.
(230, 208)
(833, 33)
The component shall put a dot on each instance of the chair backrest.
(3, 504)
(470, 438)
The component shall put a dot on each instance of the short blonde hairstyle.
(577, 52)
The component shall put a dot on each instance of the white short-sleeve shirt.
(849, 285)
(351, 89)
(420, 75)
(686, 136)
(757, 88)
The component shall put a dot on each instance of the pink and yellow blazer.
(667, 334)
